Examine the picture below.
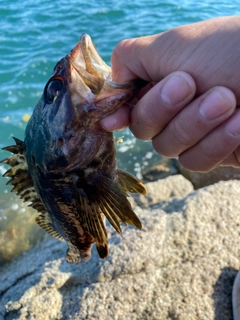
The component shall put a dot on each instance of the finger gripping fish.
(66, 166)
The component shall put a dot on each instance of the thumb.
(206, 50)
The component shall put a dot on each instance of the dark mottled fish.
(66, 166)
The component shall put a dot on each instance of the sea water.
(34, 35)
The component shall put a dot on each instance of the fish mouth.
(94, 72)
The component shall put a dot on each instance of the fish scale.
(66, 165)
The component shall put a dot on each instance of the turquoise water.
(34, 35)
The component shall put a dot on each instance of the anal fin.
(44, 221)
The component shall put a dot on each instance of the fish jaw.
(91, 81)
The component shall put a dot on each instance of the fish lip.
(91, 68)
(90, 82)
(88, 64)
(90, 51)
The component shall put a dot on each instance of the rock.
(43, 285)
(164, 168)
(200, 179)
(18, 230)
(201, 254)
(181, 265)
(163, 190)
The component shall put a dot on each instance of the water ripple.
(34, 35)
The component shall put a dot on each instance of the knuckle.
(122, 47)
(211, 152)
(179, 130)
(163, 149)
(174, 140)
(237, 154)
(195, 161)
(150, 119)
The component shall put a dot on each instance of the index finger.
(128, 63)
(207, 50)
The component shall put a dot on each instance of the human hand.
(194, 116)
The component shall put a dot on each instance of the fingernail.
(214, 105)
(175, 90)
(233, 125)
(109, 123)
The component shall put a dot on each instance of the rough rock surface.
(202, 179)
(181, 265)
(162, 169)
(18, 231)
(162, 190)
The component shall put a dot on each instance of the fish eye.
(53, 89)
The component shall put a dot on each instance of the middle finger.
(195, 121)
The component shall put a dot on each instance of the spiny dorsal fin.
(130, 183)
(23, 185)
(18, 148)
(20, 177)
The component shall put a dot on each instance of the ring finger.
(195, 121)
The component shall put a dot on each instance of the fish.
(66, 166)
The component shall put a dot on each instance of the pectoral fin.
(110, 201)
(130, 183)
(92, 220)
(115, 205)
(107, 198)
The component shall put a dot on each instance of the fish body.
(66, 165)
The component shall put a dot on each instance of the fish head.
(64, 130)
